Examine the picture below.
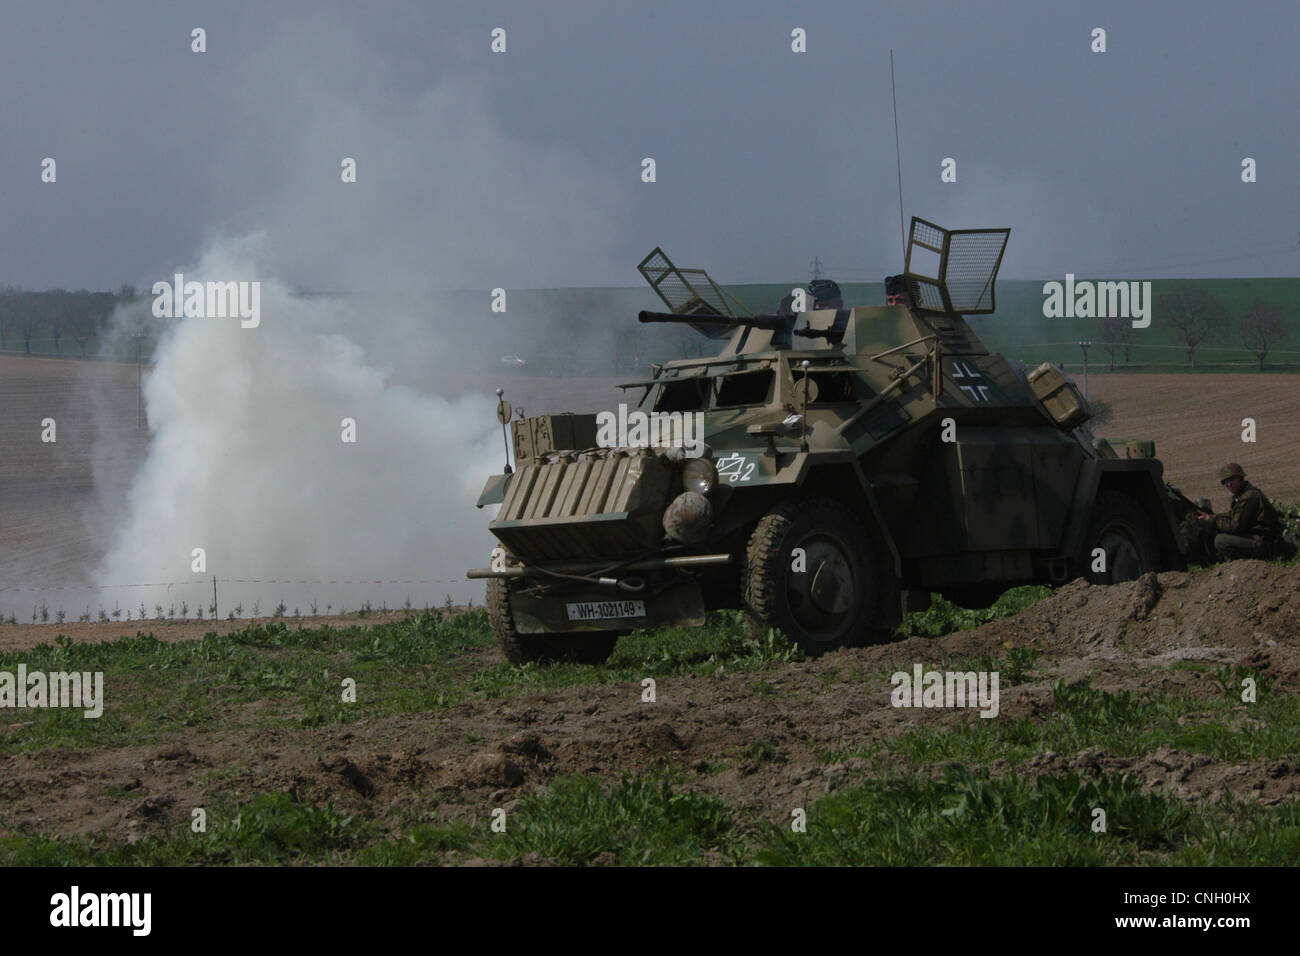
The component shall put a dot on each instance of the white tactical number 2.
(736, 468)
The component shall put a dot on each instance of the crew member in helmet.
(825, 294)
(1251, 528)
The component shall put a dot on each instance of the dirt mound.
(1245, 612)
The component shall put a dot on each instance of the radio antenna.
(898, 155)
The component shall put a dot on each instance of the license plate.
(603, 610)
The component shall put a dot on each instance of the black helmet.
(826, 294)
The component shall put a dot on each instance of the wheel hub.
(824, 591)
(1123, 560)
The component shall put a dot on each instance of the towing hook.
(633, 584)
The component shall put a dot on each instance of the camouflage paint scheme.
(1009, 501)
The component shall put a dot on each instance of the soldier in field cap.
(1251, 528)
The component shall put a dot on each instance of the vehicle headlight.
(689, 518)
(699, 476)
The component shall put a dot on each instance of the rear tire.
(1122, 529)
(589, 647)
(832, 601)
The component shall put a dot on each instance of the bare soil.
(1196, 423)
(21, 636)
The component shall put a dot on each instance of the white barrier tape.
(208, 583)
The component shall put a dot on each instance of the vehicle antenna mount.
(503, 416)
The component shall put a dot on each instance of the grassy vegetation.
(944, 617)
(970, 818)
(962, 818)
(574, 821)
(277, 674)
(267, 674)
(1125, 724)
(267, 828)
(928, 796)
(1121, 724)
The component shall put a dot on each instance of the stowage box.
(1060, 397)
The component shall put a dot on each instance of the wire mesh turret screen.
(683, 290)
(967, 267)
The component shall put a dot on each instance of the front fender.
(493, 492)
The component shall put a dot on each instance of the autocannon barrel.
(770, 322)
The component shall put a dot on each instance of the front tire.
(824, 598)
(590, 647)
(1123, 531)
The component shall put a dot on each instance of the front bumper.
(678, 605)
(678, 602)
(649, 564)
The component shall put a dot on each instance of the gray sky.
(523, 169)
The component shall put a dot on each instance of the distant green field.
(601, 326)
(1020, 330)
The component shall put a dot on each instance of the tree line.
(1199, 317)
(66, 322)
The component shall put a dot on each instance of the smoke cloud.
(247, 459)
(248, 462)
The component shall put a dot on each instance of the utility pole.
(139, 384)
(815, 267)
(1085, 346)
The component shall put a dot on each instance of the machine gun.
(1184, 505)
(717, 326)
(781, 326)
(1196, 539)
(698, 301)
(771, 323)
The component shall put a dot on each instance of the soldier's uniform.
(1251, 529)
